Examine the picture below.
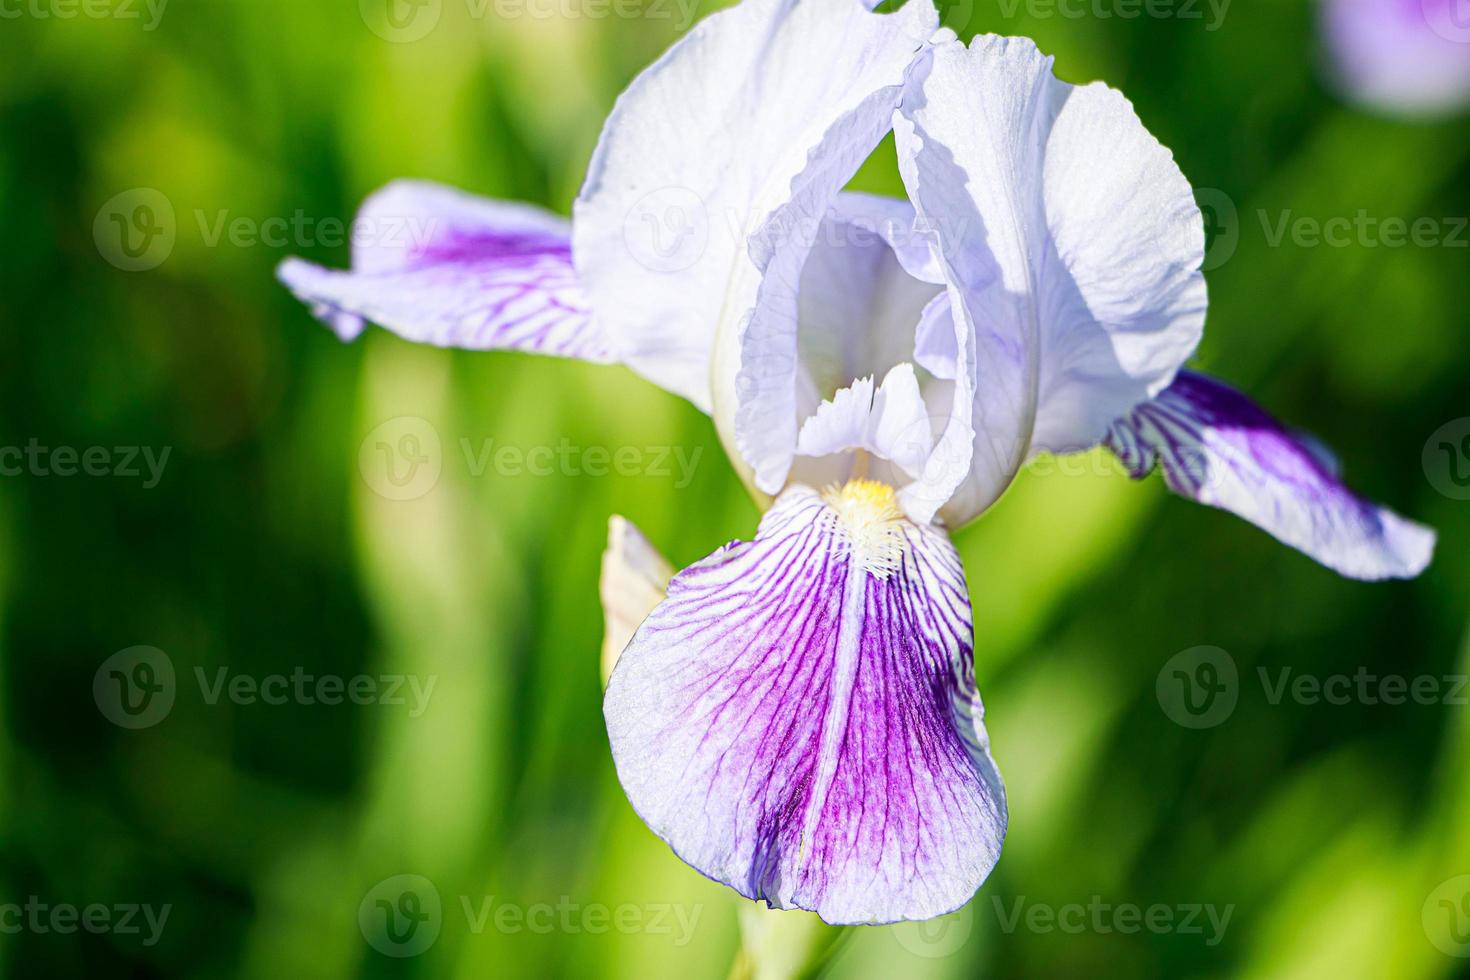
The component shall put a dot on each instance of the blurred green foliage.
(264, 551)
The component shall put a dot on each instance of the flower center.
(868, 513)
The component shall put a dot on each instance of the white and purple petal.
(1217, 447)
(804, 726)
(439, 266)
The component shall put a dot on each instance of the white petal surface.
(1070, 239)
(746, 129)
(859, 299)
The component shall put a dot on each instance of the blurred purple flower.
(1407, 57)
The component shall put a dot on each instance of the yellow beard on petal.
(868, 512)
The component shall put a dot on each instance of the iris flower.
(1409, 57)
(798, 716)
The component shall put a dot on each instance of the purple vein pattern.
(1217, 447)
(441, 267)
(809, 733)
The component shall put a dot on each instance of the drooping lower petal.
(1217, 447)
(438, 266)
(798, 719)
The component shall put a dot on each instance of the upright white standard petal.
(1071, 244)
(438, 266)
(713, 171)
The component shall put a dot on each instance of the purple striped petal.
(799, 720)
(1219, 448)
(438, 266)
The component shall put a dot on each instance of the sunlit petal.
(1217, 447)
(798, 719)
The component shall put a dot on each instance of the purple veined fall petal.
(799, 719)
(1216, 446)
(438, 266)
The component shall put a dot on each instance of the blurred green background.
(264, 550)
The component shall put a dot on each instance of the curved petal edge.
(1217, 447)
(806, 730)
(438, 266)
